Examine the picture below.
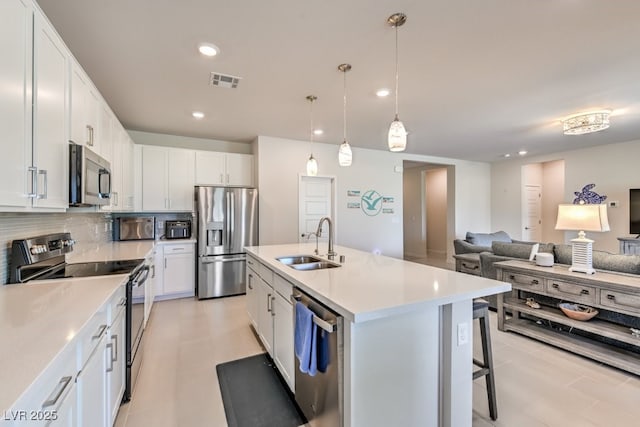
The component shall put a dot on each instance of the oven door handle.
(141, 277)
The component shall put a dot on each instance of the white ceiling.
(477, 78)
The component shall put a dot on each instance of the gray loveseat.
(479, 242)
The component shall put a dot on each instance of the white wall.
(613, 168)
(148, 138)
(415, 239)
(552, 195)
(436, 211)
(281, 161)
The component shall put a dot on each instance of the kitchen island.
(407, 334)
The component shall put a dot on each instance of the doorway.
(426, 212)
(315, 200)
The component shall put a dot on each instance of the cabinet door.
(265, 318)
(79, 103)
(116, 366)
(104, 137)
(117, 172)
(50, 146)
(126, 198)
(154, 178)
(66, 412)
(179, 273)
(91, 383)
(252, 297)
(239, 169)
(158, 271)
(16, 18)
(210, 168)
(181, 179)
(283, 338)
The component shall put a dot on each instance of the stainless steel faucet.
(309, 236)
(330, 254)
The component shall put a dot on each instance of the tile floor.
(537, 385)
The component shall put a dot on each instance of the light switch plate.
(463, 333)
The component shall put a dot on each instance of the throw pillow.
(485, 239)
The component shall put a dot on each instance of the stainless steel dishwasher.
(320, 397)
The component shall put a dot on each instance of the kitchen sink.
(314, 266)
(306, 262)
(299, 259)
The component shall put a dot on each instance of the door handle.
(268, 302)
(110, 348)
(273, 311)
(57, 392)
(101, 330)
(43, 195)
(34, 182)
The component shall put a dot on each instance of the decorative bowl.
(577, 311)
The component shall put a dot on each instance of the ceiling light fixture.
(318, 131)
(522, 152)
(381, 93)
(198, 115)
(208, 49)
(312, 163)
(397, 138)
(579, 124)
(345, 154)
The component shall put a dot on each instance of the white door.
(15, 101)
(531, 213)
(315, 200)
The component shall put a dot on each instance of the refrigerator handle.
(227, 221)
(232, 216)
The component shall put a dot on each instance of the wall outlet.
(463, 333)
(614, 204)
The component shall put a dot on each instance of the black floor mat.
(254, 395)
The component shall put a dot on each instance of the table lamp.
(582, 218)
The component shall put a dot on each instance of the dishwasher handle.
(330, 327)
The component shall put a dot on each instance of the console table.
(629, 245)
(605, 338)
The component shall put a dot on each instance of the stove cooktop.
(88, 269)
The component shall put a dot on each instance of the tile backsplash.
(84, 228)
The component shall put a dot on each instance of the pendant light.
(312, 164)
(397, 138)
(344, 154)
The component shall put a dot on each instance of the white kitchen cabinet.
(91, 380)
(167, 179)
(85, 110)
(116, 364)
(213, 168)
(16, 33)
(150, 286)
(283, 356)
(252, 295)
(122, 186)
(175, 270)
(50, 114)
(106, 133)
(265, 316)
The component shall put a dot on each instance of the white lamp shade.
(397, 136)
(344, 154)
(583, 217)
(312, 166)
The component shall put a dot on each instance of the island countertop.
(369, 286)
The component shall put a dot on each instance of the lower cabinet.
(175, 270)
(271, 313)
(116, 365)
(92, 383)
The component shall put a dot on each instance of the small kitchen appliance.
(178, 229)
(134, 228)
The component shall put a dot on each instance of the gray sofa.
(479, 242)
(503, 251)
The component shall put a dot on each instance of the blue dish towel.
(323, 350)
(305, 339)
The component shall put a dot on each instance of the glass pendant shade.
(312, 166)
(344, 154)
(397, 136)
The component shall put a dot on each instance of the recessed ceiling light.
(507, 155)
(522, 152)
(318, 131)
(198, 115)
(208, 49)
(381, 93)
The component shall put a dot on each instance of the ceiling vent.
(224, 80)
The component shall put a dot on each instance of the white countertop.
(369, 286)
(37, 321)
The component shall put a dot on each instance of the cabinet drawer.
(469, 267)
(620, 301)
(282, 286)
(178, 249)
(253, 264)
(266, 274)
(117, 302)
(524, 281)
(571, 291)
(90, 336)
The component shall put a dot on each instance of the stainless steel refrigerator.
(227, 221)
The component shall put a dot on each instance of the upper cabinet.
(167, 179)
(34, 69)
(214, 168)
(16, 32)
(84, 109)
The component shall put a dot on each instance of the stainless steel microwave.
(89, 177)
